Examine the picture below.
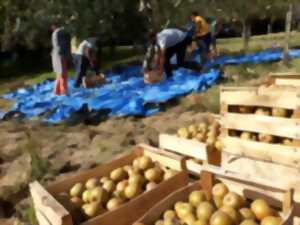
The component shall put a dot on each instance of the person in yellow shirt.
(202, 36)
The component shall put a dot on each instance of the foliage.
(27, 22)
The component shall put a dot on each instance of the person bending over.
(85, 58)
(163, 46)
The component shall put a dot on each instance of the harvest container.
(50, 212)
(277, 198)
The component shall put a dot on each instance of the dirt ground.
(29, 150)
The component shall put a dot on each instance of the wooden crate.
(50, 212)
(284, 79)
(191, 149)
(281, 97)
(240, 184)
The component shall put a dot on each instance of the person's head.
(194, 15)
(54, 26)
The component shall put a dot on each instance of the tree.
(27, 22)
(284, 9)
(243, 11)
(288, 28)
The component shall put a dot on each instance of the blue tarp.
(253, 58)
(125, 93)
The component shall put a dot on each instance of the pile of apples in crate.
(225, 208)
(99, 195)
(204, 132)
(264, 111)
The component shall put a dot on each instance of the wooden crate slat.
(264, 172)
(283, 127)
(285, 74)
(165, 160)
(49, 211)
(285, 155)
(238, 88)
(252, 192)
(192, 148)
(99, 171)
(285, 79)
(287, 100)
(193, 167)
(288, 82)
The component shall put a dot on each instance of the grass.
(31, 72)
(242, 75)
(257, 43)
(40, 166)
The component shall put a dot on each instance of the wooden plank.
(41, 218)
(287, 201)
(251, 187)
(49, 211)
(285, 74)
(277, 126)
(141, 204)
(283, 99)
(207, 183)
(275, 198)
(192, 148)
(237, 88)
(165, 160)
(242, 177)
(193, 167)
(285, 155)
(287, 82)
(262, 172)
(148, 148)
(100, 171)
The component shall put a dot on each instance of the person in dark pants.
(84, 59)
(203, 36)
(164, 46)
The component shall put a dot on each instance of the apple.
(76, 190)
(91, 183)
(233, 200)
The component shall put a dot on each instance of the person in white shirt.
(164, 46)
(85, 58)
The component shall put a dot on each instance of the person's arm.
(90, 56)
(161, 59)
(160, 62)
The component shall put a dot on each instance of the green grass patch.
(257, 43)
(40, 166)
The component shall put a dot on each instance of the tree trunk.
(269, 28)
(157, 17)
(246, 35)
(288, 27)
